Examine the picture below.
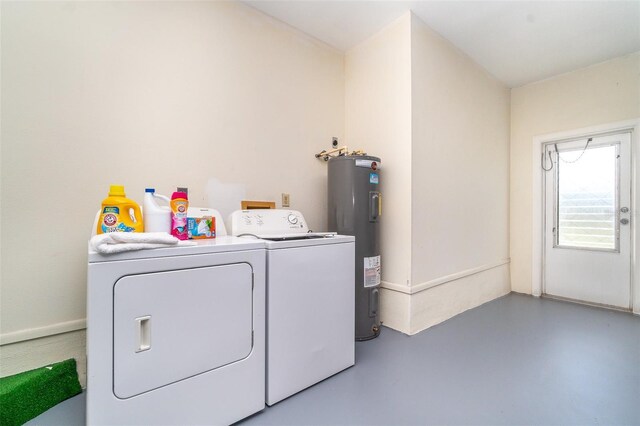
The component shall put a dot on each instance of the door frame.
(537, 205)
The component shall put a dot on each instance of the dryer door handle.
(143, 327)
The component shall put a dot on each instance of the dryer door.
(169, 326)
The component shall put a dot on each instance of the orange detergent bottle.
(119, 214)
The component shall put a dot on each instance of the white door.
(587, 220)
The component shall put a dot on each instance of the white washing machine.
(310, 299)
(177, 335)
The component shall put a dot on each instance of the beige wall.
(460, 160)
(604, 93)
(441, 125)
(145, 94)
(378, 120)
(460, 181)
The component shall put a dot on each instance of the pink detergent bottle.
(179, 206)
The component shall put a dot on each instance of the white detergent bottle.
(156, 218)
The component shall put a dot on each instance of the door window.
(587, 203)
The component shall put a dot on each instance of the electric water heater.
(355, 206)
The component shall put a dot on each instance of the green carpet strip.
(26, 395)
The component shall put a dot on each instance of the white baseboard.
(394, 310)
(34, 353)
(440, 303)
(417, 288)
(36, 333)
(413, 311)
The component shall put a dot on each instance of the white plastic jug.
(156, 218)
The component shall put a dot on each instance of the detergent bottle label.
(179, 219)
(110, 221)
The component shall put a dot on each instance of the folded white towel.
(118, 242)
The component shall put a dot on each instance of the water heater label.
(367, 164)
(371, 271)
(373, 178)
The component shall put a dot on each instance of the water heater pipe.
(331, 153)
(325, 155)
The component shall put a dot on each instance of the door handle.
(374, 206)
(143, 326)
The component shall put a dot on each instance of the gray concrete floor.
(515, 360)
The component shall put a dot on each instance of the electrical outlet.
(285, 200)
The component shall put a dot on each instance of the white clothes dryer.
(310, 299)
(177, 335)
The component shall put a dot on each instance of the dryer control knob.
(293, 219)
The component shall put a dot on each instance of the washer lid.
(292, 241)
(292, 237)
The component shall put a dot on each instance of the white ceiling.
(518, 42)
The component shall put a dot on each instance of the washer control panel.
(268, 222)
